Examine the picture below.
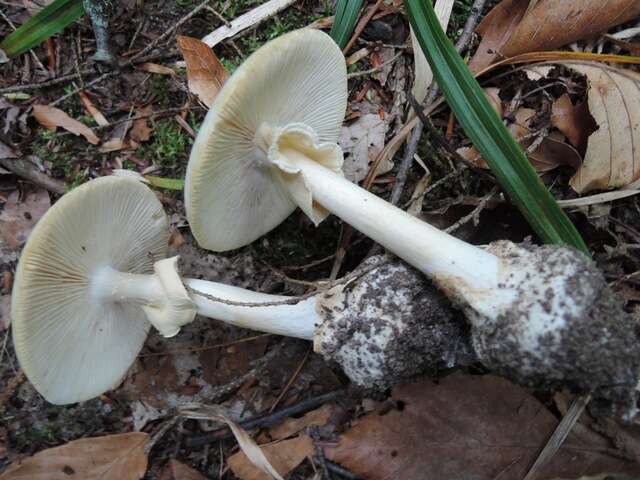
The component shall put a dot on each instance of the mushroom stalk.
(435, 253)
(293, 320)
(169, 305)
(308, 170)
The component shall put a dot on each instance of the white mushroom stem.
(308, 169)
(169, 305)
(430, 250)
(293, 320)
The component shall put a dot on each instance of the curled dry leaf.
(156, 68)
(479, 427)
(612, 158)
(547, 154)
(140, 130)
(92, 109)
(205, 72)
(284, 456)
(52, 118)
(112, 457)
(574, 121)
(252, 451)
(512, 28)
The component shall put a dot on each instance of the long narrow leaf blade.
(49, 21)
(487, 132)
(347, 12)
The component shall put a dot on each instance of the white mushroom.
(268, 145)
(93, 276)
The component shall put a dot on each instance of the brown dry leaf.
(115, 145)
(205, 72)
(112, 457)
(153, 379)
(155, 68)
(52, 118)
(284, 456)
(222, 365)
(479, 427)
(19, 216)
(292, 426)
(550, 153)
(140, 131)
(175, 470)
(92, 109)
(612, 159)
(574, 121)
(509, 29)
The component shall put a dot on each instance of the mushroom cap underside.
(71, 347)
(232, 194)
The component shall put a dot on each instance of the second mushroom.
(543, 315)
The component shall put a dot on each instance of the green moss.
(161, 90)
(59, 152)
(169, 147)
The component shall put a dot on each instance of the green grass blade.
(347, 12)
(168, 183)
(49, 21)
(487, 132)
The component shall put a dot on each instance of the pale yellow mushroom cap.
(232, 195)
(70, 347)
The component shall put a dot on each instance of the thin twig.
(167, 425)
(291, 380)
(343, 472)
(320, 261)
(74, 76)
(170, 31)
(362, 24)
(269, 419)
(438, 139)
(410, 150)
(476, 211)
(49, 83)
(431, 187)
(375, 69)
(412, 145)
(25, 169)
(159, 113)
(319, 456)
(470, 25)
(205, 348)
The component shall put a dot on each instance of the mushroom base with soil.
(578, 336)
